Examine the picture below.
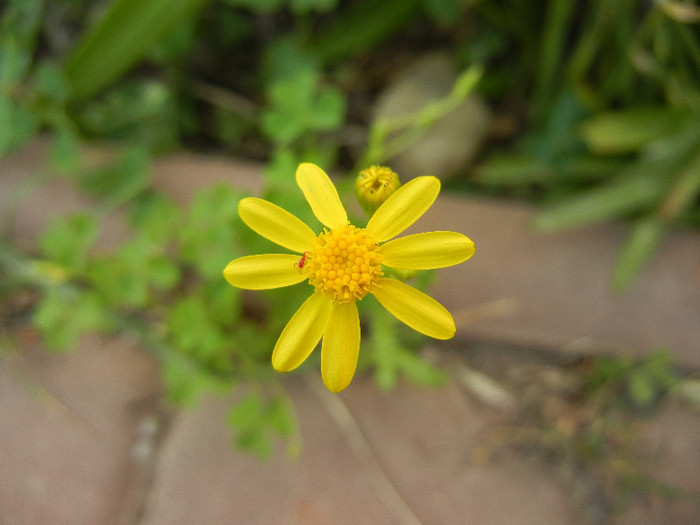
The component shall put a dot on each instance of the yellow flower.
(344, 263)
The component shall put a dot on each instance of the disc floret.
(344, 263)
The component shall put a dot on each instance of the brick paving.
(86, 439)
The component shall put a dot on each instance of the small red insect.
(299, 265)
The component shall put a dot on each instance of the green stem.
(412, 126)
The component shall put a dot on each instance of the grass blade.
(638, 187)
(637, 250)
(123, 36)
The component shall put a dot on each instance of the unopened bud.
(374, 185)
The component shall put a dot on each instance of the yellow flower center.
(344, 263)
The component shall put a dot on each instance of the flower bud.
(374, 185)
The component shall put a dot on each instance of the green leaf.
(19, 27)
(513, 170)
(329, 110)
(361, 27)
(188, 323)
(258, 6)
(156, 217)
(637, 187)
(65, 149)
(51, 83)
(7, 118)
(280, 418)
(186, 383)
(559, 22)
(208, 237)
(279, 171)
(138, 111)
(68, 240)
(637, 251)
(282, 127)
(629, 131)
(129, 277)
(291, 107)
(117, 284)
(641, 389)
(304, 6)
(121, 38)
(122, 180)
(13, 63)
(659, 365)
(193, 331)
(298, 105)
(444, 12)
(247, 412)
(284, 58)
(256, 420)
(63, 316)
(25, 124)
(225, 306)
(163, 273)
(297, 102)
(421, 372)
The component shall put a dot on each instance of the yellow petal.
(276, 224)
(341, 346)
(419, 311)
(425, 251)
(302, 333)
(261, 272)
(403, 208)
(321, 194)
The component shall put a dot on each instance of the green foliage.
(28, 99)
(297, 107)
(142, 111)
(119, 181)
(362, 26)
(389, 137)
(624, 132)
(638, 249)
(642, 384)
(122, 37)
(256, 420)
(208, 235)
(66, 241)
(300, 106)
(589, 160)
(297, 6)
(187, 383)
(128, 277)
(64, 315)
(261, 6)
(659, 186)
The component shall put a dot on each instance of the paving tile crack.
(151, 431)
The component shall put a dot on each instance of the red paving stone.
(421, 439)
(68, 428)
(71, 422)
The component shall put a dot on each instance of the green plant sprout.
(389, 137)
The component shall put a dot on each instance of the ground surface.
(86, 437)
